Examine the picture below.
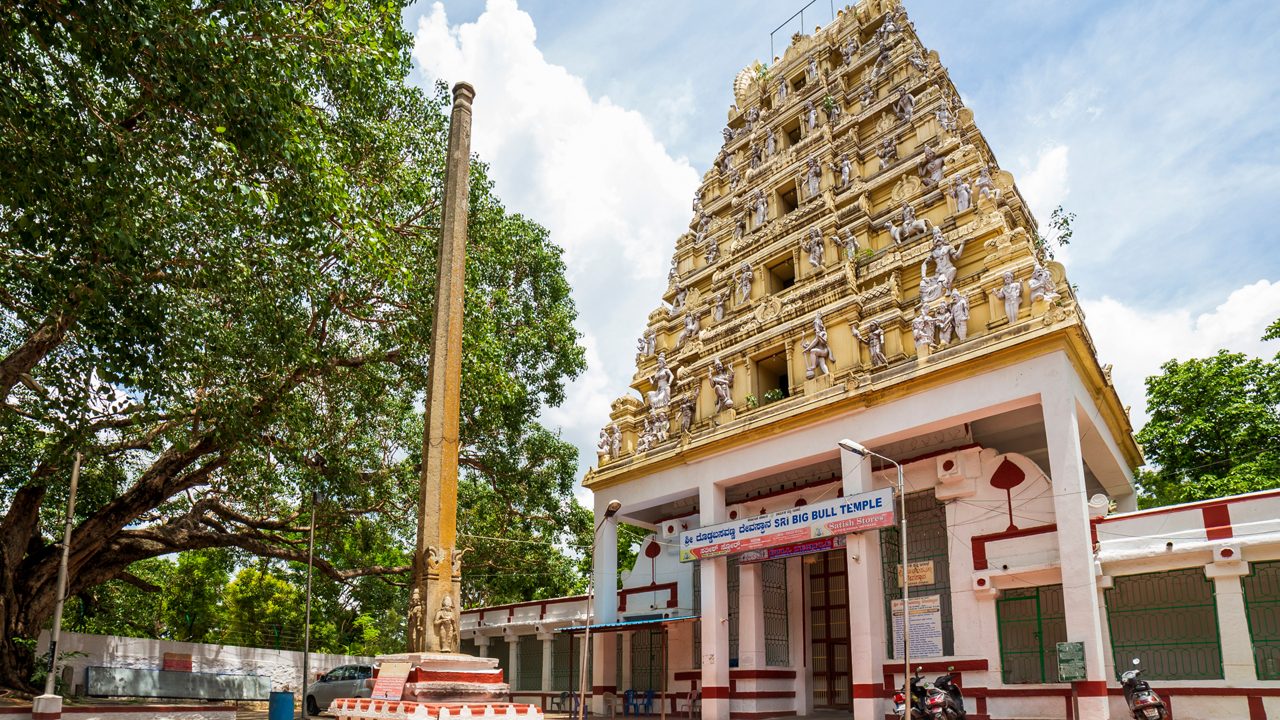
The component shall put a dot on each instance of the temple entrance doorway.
(829, 628)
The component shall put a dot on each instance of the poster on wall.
(926, 627)
(921, 573)
(838, 516)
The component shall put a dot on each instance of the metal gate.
(929, 540)
(829, 628)
(1031, 623)
(1169, 621)
(1262, 607)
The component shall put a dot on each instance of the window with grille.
(1169, 621)
(928, 542)
(777, 650)
(502, 652)
(562, 659)
(646, 659)
(1031, 622)
(529, 656)
(1262, 606)
(732, 588)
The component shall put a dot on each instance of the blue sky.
(1157, 123)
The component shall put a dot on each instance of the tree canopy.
(1214, 428)
(218, 227)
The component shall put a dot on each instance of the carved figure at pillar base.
(446, 626)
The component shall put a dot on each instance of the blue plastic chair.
(629, 702)
(646, 703)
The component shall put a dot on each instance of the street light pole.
(609, 511)
(56, 631)
(861, 451)
(306, 634)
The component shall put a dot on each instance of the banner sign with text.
(840, 516)
(834, 542)
(389, 685)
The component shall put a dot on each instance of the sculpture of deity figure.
(868, 94)
(782, 92)
(740, 228)
(603, 444)
(946, 120)
(615, 440)
(811, 71)
(905, 106)
(661, 426)
(722, 384)
(415, 624)
(727, 133)
(446, 625)
(1011, 293)
(681, 293)
(811, 115)
(932, 287)
(874, 341)
(944, 255)
(673, 275)
(734, 178)
(911, 225)
(1042, 285)
(817, 351)
(918, 62)
(757, 156)
(813, 178)
(960, 314)
(704, 223)
(985, 186)
(753, 117)
(762, 208)
(850, 243)
(697, 201)
(845, 170)
(645, 437)
(662, 378)
(849, 49)
(770, 143)
(688, 408)
(744, 278)
(721, 298)
(814, 246)
(833, 113)
(922, 328)
(963, 194)
(713, 250)
(930, 168)
(943, 321)
(690, 330)
(888, 152)
(883, 59)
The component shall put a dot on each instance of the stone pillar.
(867, 640)
(604, 670)
(626, 682)
(513, 660)
(751, 651)
(1238, 665)
(715, 615)
(482, 645)
(548, 658)
(797, 634)
(1075, 547)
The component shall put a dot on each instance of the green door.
(1021, 634)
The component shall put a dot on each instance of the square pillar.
(751, 652)
(513, 660)
(548, 657)
(604, 659)
(482, 645)
(1075, 547)
(626, 639)
(1238, 665)
(715, 615)
(798, 634)
(866, 602)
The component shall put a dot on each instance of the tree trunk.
(21, 624)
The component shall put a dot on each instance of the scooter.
(1144, 703)
(945, 701)
(918, 693)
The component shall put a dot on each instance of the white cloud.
(591, 171)
(1045, 186)
(1139, 341)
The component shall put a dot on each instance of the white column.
(513, 660)
(715, 615)
(1075, 547)
(604, 658)
(625, 639)
(751, 652)
(482, 645)
(548, 657)
(797, 635)
(1233, 622)
(866, 601)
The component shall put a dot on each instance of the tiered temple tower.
(854, 199)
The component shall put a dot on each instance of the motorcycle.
(918, 692)
(945, 701)
(1144, 703)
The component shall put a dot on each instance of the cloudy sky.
(1157, 123)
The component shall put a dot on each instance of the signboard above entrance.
(841, 516)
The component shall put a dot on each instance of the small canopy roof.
(626, 625)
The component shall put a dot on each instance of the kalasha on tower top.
(855, 238)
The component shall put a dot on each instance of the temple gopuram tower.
(858, 265)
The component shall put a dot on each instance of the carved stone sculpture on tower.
(813, 178)
(962, 193)
(888, 152)
(811, 70)
(727, 133)
(930, 169)
(721, 298)
(944, 255)
(1011, 293)
(905, 106)
(697, 201)
(757, 156)
(722, 383)
(753, 117)
(932, 287)
(662, 379)
(761, 207)
(883, 60)
(740, 228)
(946, 120)
(918, 62)
(782, 92)
(985, 186)
(810, 115)
(960, 314)
(688, 408)
(844, 169)
(817, 351)
(681, 293)
(944, 322)
(814, 247)
(745, 275)
(868, 94)
(770, 143)
(615, 441)
(850, 243)
(911, 225)
(922, 328)
(1042, 285)
(874, 341)
(713, 250)
(690, 330)
(849, 49)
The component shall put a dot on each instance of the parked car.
(343, 681)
